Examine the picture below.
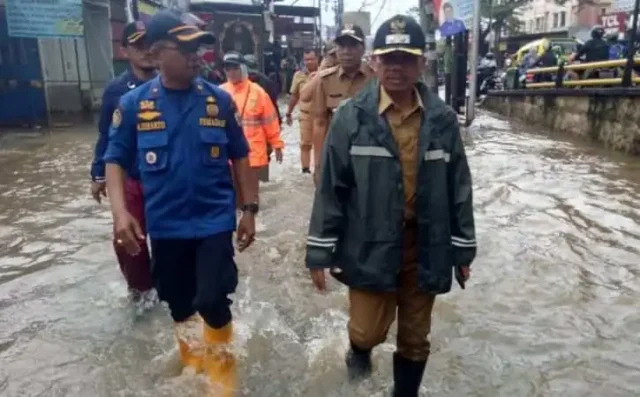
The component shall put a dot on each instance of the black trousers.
(196, 276)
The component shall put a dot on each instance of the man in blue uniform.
(451, 25)
(136, 269)
(182, 132)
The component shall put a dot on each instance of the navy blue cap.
(133, 32)
(351, 31)
(400, 33)
(178, 27)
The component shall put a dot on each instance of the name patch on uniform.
(211, 122)
(149, 115)
(212, 110)
(152, 125)
(147, 105)
(215, 152)
(116, 119)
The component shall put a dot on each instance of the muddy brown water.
(552, 308)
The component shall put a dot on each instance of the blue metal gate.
(22, 94)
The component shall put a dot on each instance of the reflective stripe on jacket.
(357, 221)
(259, 119)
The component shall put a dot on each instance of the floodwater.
(551, 309)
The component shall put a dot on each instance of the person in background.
(547, 59)
(136, 269)
(257, 114)
(392, 214)
(310, 59)
(330, 59)
(181, 133)
(337, 84)
(263, 81)
(451, 25)
(595, 49)
(616, 49)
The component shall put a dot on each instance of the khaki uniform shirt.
(405, 127)
(300, 79)
(334, 87)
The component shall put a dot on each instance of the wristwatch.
(252, 208)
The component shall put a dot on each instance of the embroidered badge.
(211, 122)
(212, 110)
(152, 126)
(147, 105)
(148, 116)
(211, 99)
(116, 119)
(151, 158)
(215, 152)
(398, 25)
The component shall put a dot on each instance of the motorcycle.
(490, 79)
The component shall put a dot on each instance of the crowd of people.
(180, 159)
(599, 47)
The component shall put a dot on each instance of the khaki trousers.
(372, 313)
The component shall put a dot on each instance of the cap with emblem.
(400, 33)
(181, 28)
(233, 58)
(133, 33)
(350, 31)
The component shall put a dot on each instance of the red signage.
(614, 23)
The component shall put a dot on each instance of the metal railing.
(562, 70)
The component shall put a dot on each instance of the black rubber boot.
(358, 363)
(407, 376)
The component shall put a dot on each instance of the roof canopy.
(286, 11)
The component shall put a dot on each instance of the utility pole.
(428, 23)
(473, 61)
(339, 10)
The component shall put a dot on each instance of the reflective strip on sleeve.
(322, 242)
(463, 242)
(375, 151)
(438, 154)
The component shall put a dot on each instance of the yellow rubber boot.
(189, 344)
(218, 362)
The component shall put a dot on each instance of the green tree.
(503, 16)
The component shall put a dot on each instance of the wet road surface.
(551, 310)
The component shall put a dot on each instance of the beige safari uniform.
(333, 87)
(300, 79)
(372, 313)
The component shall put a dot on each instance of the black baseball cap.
(352, 31)
(133, 33)
(181, 28)
(399, 33)
(233, 58)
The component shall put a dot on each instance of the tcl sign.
(613, 23)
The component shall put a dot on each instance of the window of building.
(556, 17)
(545, 22)
(563, 19)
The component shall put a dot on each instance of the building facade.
(542, 16)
